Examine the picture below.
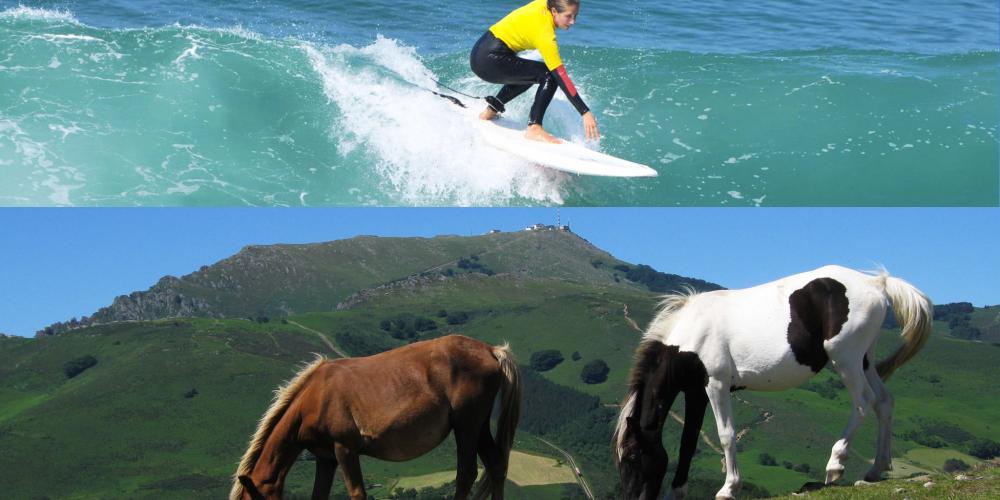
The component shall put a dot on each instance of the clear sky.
(56, 264)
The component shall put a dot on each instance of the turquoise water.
(305, 103)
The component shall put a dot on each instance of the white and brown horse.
(767, 338)
(394, 406)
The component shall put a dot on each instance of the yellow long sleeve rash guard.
(531, 27)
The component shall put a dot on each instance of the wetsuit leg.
(543, 96)
(494, 62)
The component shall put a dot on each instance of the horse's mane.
(659, 328)
(646, 357)
(283, 397)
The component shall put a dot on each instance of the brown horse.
(396, 405)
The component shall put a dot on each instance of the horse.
(396, 406)
(770, 337)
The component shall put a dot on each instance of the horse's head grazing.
(250, 491)
(642, 463)
(642, 460)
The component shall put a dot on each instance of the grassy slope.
(83, 429)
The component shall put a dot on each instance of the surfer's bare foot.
(488, 114)
(535, 132)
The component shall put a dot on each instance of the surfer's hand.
(590, 126)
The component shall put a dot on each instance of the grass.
(984, 484)
(534, 470)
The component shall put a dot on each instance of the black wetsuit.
(493, 61)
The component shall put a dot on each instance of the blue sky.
(56, 264)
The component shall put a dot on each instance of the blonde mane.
(283, 397)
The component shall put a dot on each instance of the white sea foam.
(22, 12)
(422, 147)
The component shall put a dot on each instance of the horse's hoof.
(873, 477)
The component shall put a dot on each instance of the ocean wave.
(187, 114)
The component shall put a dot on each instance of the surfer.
(493, 59)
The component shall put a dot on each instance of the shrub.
(984, 448)
(766, 459)
(954, 464)
(442, 313)
(575, 356)
(457, 318)
(543, 361)
(78, 365)
(803, 468)
(422, 324)
(595, 372)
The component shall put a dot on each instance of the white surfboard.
(508, 136)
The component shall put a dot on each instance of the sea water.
(309, 103)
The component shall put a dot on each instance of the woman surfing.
(494, 59)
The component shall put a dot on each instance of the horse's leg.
(489, 453)
(883, 410)
(695, 402)
(465, 441)
(325, 470)
(350, 464)
(853, 377)
(718, 395)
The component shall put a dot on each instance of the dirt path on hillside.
(631, 322)
(768, 416)
(576, 469)
(333, 347)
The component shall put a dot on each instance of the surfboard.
(508, 136)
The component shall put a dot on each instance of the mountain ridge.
(282, 279)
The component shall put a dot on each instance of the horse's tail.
(915, 314)
(283, 398)
(510, 413)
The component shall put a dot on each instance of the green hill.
(278, 280)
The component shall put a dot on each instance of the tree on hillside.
(766, 459)
(422, 324)
(954, 465)
(985, 449)
(457, 318)
(545, 360)
(77, 366)
(595, 372)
